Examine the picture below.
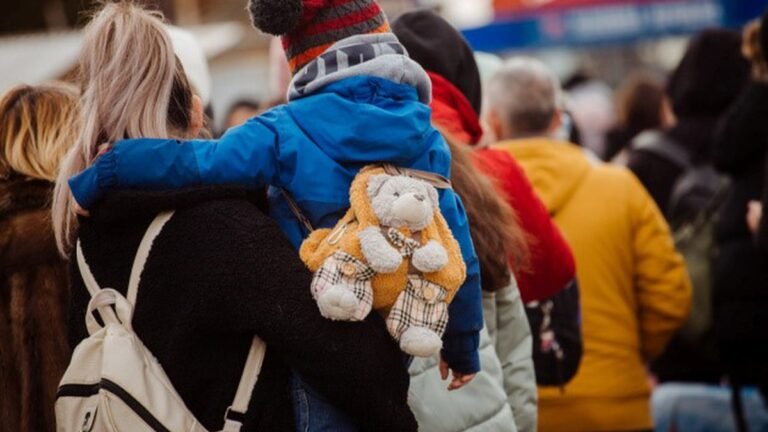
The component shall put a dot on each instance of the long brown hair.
(133, 86)
(494, 226)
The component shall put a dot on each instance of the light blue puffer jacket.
(502, 397)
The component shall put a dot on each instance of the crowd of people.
(617, 286)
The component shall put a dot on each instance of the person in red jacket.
(456, 103)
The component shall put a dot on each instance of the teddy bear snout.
(419, 197)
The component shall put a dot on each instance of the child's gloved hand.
(459, 379)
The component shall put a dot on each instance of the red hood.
(453, 113)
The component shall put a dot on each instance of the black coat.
(741, 274)
(219, 272)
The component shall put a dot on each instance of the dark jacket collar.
(125, 205)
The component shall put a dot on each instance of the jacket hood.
(386, 121)
(556, 169)
(453, 113)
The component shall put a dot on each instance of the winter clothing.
(740, 273)
(635, 291)
(552, 263)
(300, 148)
(309, 27)
(231, 265)
(452, 112)
(34, 294)
(456, 104)
(433, 43)
(502, 397)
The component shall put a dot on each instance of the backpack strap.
(107, 313)
(235, 415)
(433, 179)
(143, 254)
(658, 144)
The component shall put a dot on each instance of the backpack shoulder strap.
(235, 415)
(143, 254)
(657, 143)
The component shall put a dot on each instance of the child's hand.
(459, 379)
(754, 216)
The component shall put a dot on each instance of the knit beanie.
(439, 48)
(710, 76)
(309, 27)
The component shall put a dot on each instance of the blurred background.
(583, 40)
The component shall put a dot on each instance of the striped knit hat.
(309, 27)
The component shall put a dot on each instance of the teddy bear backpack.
(113, 383)
(393, 252)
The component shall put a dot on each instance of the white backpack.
(113, 383)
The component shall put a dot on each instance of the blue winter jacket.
(312, 148)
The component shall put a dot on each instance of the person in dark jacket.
(220, 271)
(701, 89)
(741, 277)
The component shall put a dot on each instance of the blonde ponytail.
(133, 86)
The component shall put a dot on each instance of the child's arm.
(465, 314)
(247, 155)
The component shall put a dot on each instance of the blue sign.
(613, 23)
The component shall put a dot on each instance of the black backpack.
(557, 342)
(693, 205)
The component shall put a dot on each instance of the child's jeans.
(315, 414)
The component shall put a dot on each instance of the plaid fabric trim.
(406, 245)
(422, 304)
(347, 271)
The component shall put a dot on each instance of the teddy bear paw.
(430, 257)
(379, 254)
(339, 304)
(420, 342)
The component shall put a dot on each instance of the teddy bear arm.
(380, 255)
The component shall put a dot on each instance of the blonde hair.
(38, 124)
(133, 86)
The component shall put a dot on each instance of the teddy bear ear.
(375, 183)
(276, 17)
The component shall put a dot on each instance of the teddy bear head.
(402, 202)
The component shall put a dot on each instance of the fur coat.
(34, 298)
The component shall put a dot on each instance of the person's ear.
(196, 116)
(557, 122)
(494, 124)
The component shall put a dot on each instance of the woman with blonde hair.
(220, 271)
(37, 126)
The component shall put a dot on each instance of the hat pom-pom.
(276, 17)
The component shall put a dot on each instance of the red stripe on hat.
(344, 21)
